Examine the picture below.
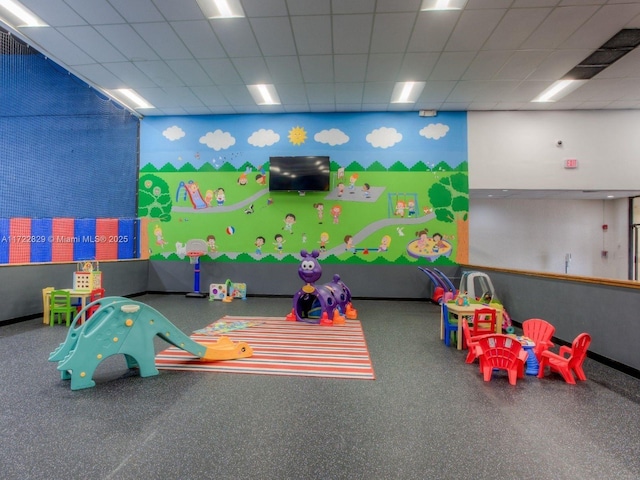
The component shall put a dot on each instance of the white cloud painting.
(434, 131)
(333, 137)
(218, 140)
(263, 138)
(384, 137)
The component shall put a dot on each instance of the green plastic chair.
(60, 304)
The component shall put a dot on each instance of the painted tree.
(450, 201)
(154, 199)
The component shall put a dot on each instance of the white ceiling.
(340, 55)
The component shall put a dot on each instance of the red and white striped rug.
(282, 347)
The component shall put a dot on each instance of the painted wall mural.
(397, 188)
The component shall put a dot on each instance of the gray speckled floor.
(428, 415)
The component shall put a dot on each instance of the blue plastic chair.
(449, 327)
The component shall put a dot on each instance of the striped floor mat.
(282, 347)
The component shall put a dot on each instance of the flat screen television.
(301, 174)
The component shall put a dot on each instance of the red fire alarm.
(605, 228)
(571, 163)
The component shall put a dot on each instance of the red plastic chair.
(484, 321)
(541, 332)
(469, 342)
(568, 361)
(96, 294)
(501, 352)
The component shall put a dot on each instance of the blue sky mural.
(346, 137)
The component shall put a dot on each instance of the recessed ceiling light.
(221, 8)
(442, 5)
(19, 16)
(133, 96)
(264, 94)
(558, 90)
(407, 92)
(610, 196)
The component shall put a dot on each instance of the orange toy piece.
(351, 313)
(501, 352)
(225, 349)
(541, 332)
(568, 360)
(337, 318)
(324, 320)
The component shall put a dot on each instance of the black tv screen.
(302, 174)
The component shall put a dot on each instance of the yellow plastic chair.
(61, 305)
(46, 302)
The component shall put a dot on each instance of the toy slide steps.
(124, 326)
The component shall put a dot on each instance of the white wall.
(517, 150)
(536, 235)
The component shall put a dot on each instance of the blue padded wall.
(65, 149)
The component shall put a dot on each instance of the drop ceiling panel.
(350, 68)
(221, 71)
(127, 41)
(162, 39)
(520, 65)
(176, 11)
(417, 66)
(55, 13)
(100, 74)
(198, 37)
(160, 73)
(313, 35)
(559, 26)
(339, 7)
(92, 43)
(351, 33)
(59, 47)
(436, 92)
(432, 32)
(252, 70)
(451, 65)
(486, 65)
(265, 8)
(274, 35)
(515, 27)
(321, 93)
(96, 12)
(309, 7)
(383, 67)
(138, 10)
(473, 29)
(349, 93)
(210, 96)
(131, 76)
(190, 72)
(396, 6)
(391, 32)
(285, 69)
(236, 37)
(317, 68)
(557, 64)
(292, 94)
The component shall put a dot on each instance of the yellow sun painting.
(297, 135)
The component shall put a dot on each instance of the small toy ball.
(230, 230)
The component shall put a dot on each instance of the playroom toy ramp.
(124, 326)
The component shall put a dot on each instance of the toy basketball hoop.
(196, 248)
(194, 256)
